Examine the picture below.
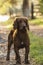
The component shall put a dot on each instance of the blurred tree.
(32, 10)
(25, 8)
(11, 9)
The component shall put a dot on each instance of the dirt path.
(37, 30)
(3, 46)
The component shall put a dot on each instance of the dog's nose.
(23, 24)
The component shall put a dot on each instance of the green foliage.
(5, 4)
(41, 6)
(36, 48)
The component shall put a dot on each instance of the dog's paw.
(18, 62)
(7, 59)
(27, 62)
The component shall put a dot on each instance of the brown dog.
(20, 40)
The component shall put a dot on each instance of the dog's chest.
(22, 36)
(22, 45)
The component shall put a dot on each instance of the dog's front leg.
(18, 60)
(26, 55)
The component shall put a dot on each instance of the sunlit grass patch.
(36, 21)
(36, 48)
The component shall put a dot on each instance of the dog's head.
(21, 23)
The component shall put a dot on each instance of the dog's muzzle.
(23, 26)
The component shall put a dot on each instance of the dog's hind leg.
(27, 49)
(8, 51)
(10, 41)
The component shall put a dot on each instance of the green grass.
(36, 21)
(36, 48)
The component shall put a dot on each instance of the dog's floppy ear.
(26, 21)
(11, 32)
(15, 24)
